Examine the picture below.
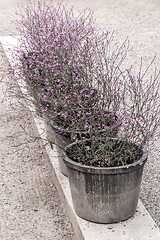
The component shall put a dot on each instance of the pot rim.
(107, 170)
(64, 131)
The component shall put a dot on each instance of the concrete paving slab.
(139, 227)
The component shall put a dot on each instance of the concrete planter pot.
(54, 136)
(50, 134)
(63, 138)
(61, 141)
(105, 194)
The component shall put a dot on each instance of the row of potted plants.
(100, 114)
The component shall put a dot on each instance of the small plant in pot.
(49, 39)
(58, 51)
(64, 56)
(87, 95)
(75, 121)
(83, 103)
(80, 121)
(105, 173)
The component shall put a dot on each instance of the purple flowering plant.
(139, 110)
(49, 35)
(77, 75)
(61, 62)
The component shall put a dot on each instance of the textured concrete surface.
(139, 20)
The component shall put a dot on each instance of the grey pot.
(61, 142)
(63, 138)
(50, 134)
(53, 135)
(105, 195)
